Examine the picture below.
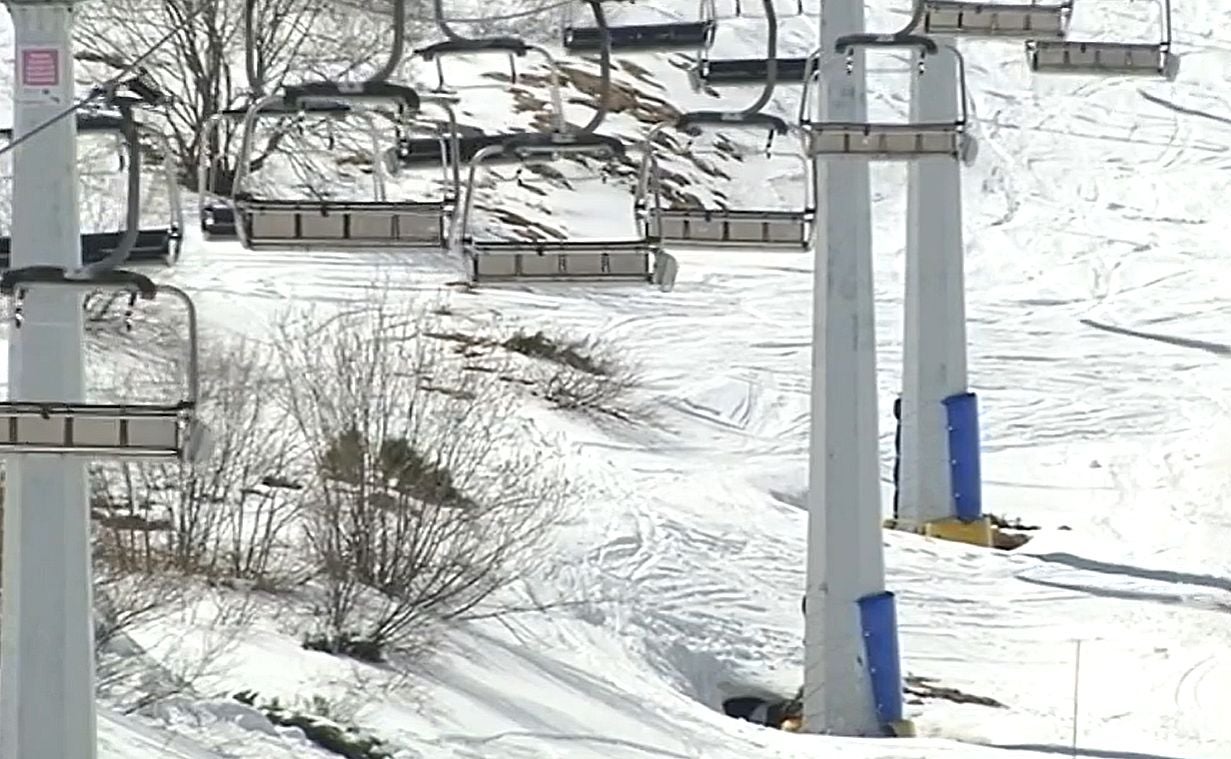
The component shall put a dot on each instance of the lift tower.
(846, 563)
(46, 642)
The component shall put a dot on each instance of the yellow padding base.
(977, 533)
(903, 728)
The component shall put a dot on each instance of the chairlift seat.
(509, 45)
(274, 223)
(218, 221)
(888, 142)
(285, 108)
(752, 70)
(739, 228)
(976, 19)
(560, 261)
(153, 246)
(104, 430)
(684, 35)
(1102, 58)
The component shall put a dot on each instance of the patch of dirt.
(926, 688)
(640, 73)
(623, 98)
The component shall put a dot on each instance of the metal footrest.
(270, 223)
(152, 432)
(560, 261)
(890, 142)
(757, 230)
(1102, 58)
(975, 19)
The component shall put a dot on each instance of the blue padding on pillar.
(962, 413)
(878, 620)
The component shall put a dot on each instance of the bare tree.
(234, 515)
(202, 68)
(428, 497)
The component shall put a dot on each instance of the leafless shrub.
(171, 652)
(579, 374)
(232, 516)
(428, 498)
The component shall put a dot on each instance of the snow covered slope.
(1090, 201)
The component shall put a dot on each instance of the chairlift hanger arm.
(129, 127)
(604, 57)
(450, 144)
(771, 59)
(963, 90)
(397, 49)
(768, 76)
(917, 13)
(256, 88)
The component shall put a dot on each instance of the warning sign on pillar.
(38, 75)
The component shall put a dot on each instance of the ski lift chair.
(636, 38)
(167, 431)
(1107, 58)
(456, 44)
(266, 223)
(747, 229)
(741, 71)
(577, 261)
(217, 217)
(468, 144)
(967, 18)
(878, 141)
(465, 144)
(137, 244)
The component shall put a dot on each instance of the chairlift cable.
(106, 88)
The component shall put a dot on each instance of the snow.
(687, 539)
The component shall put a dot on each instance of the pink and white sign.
(40, 67)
